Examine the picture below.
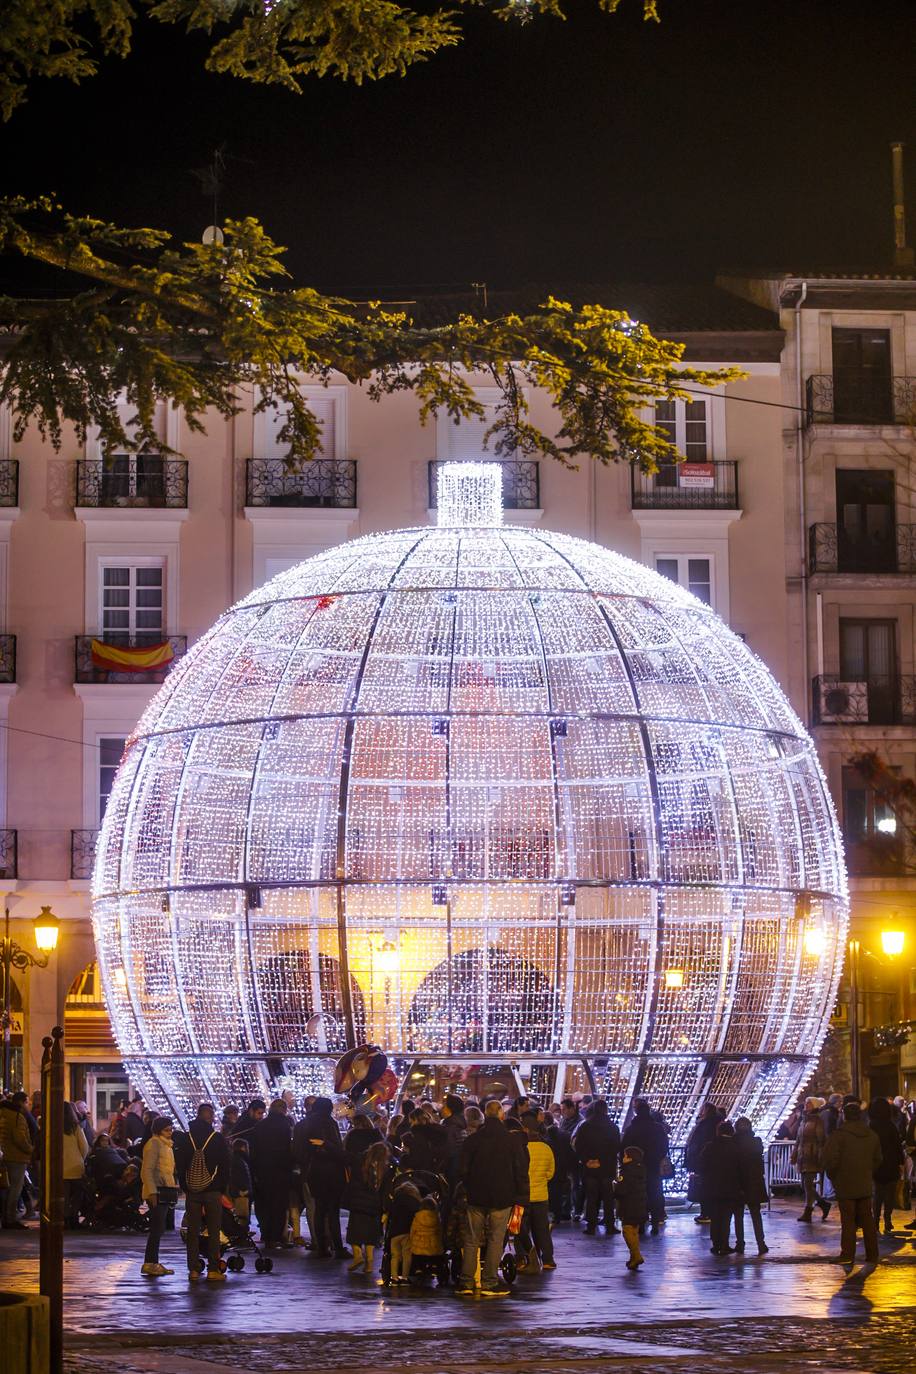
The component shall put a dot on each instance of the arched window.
(492, 1001)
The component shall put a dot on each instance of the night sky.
(601, 149)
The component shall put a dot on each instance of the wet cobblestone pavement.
(686, 1311)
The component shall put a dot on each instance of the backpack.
(198, 1177)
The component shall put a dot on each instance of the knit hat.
(635, 1153)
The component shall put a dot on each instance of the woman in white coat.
(157, 1171)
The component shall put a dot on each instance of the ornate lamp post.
(46, 927)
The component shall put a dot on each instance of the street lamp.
(893, 942)
(46, 927)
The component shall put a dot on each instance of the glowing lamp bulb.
(47, 929)
(386, 959)
(674, 977)
(893, 941)
(815, 941)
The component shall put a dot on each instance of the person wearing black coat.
(455, 1128)
(752, 1173)
(425, 1146)
(651, 1136)
(721, 1164)
(494, 1169)
(632, 1202)
(889, 1171)
(206, 1202)
(360, 1136)
(703, 1132)
(324, 1161)
(271, 1161)
(559, 1189)
(596, 1145)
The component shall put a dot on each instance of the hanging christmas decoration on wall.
(472, 793)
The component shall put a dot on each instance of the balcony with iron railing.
(9, 482)
(842, 701)
(82, 854)
(521, 482)
(834, 550)
(9, 854)
(143, 481)
(307, 484)
(90, 664)
(686, 486)
(834, 399)
(7, 658)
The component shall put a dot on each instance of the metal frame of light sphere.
(480, 794)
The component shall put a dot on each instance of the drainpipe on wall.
(802, 511)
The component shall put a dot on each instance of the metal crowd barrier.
(781, 1172)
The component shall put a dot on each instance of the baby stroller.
(115, 1207)
(235, 1236)
(429, 1254)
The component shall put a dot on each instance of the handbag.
(167, 1197)
(666, 1168)
(693, 1188)
(902, 1195)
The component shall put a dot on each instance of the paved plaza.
(686, 1310)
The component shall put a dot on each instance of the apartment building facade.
(105, 558)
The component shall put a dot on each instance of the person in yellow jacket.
(536, 1242)
(15, 1153)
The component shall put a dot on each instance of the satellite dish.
(212, 234)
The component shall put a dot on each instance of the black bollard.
(51, 1252)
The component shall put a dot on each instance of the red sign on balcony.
(696, 476)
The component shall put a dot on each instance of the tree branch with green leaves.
(193, 323)
(271, 42)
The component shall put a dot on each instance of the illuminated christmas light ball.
(479, 795)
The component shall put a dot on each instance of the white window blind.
(324, 408)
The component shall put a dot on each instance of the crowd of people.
(462, 1179)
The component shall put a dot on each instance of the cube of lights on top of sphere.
(456, 791)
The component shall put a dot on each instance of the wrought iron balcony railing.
(832, 550)
(686, 486)
(521, 482)
(840, 701)
(9, 854)
(313, 482)
(7, 658)
(82, 853)
(87, 668)
(143, 480)
(838, 399)
(9, 482)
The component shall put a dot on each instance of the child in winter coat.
(405, 1203)
(632, 1201)
(363, 1200)
(240, 1180)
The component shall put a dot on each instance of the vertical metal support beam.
(51, 1252)
(855, 1046)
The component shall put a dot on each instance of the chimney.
(903, 256)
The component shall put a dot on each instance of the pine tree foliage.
(195, 322)
(274, 42)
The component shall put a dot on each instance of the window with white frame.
(111, 747)
(686, 423)
(132, 602)
(324, 408)
(693, 571)
(463, 441)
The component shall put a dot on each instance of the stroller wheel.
(235, 1264)
(508, 1267)
(260, 1265)
(268, 1265)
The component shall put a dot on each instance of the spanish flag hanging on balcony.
(113, 659)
